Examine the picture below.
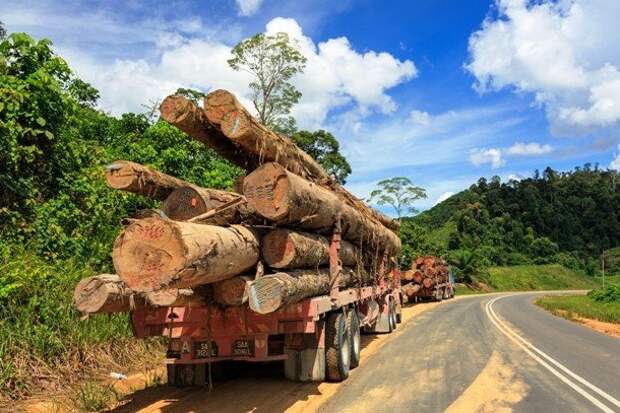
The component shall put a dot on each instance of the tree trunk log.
(222, 108)
(176, 297)
(142, 180)
(185, 115)
(231, 291)
(104, 293)
(191, 203)
(283, 248)
(153, 253)
(267, 294)
(285, 198)
(411, 289)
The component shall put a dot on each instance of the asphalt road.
(490, 353)
(497, 353)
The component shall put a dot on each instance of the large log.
(185, 115)
(270, 292)
(176, 297)
(284, 248)
(287, 199)
(104, 293)
(142, 180)
(222, 108)
(153, 253)
(231, 291)
(193, 203)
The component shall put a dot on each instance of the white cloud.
(615, 163)
(443, 197)
(336, 75)
(419, 117)
(529, 149)
(515, 177)
(248, 7)
(492, 156)
(564, 52)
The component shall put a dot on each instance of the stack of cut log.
(267, 243)
(425, 273)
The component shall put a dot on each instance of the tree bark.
(222, 108)
(268, 293)
(153, 253)
(104, 293)
(231, 291)
(284, 248)
(142, 180)
(177, 297)
(192, 203)
(285, 198)
(185, 115)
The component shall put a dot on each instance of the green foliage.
(608, 294)
(573, 306)
(566, 218)
(58, 218)
(272, 60)
(537, 277)
(398, 192)
(323, 147)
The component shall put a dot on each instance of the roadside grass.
(573, 306)
(609, 280)
(538, 277)
(45, 347)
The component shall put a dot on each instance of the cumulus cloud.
(336, 74)
(615, 163)
(563, 52)
(529, 149)
(491, 156)
(419, 118)
(248, 7)
(443, 197)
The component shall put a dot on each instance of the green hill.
(565, 218)
(538, 277)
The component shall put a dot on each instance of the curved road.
(487, 354)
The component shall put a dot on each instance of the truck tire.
(353, 324)
(392, 315)
(337, 347)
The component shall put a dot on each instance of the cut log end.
(267, 191)
(218, 103)
(148, 253)
(266, 294)
(278, 249)
(175, 108)
(102, 293)
(186, 203)
(231, 291)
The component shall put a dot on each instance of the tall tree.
(324, 147)
(272, 60)
(2, 31)
(398, 192)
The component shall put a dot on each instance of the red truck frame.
(318, 338)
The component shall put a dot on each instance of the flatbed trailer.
(318, 338)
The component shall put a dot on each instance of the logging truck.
(318, 338)
(290, 266)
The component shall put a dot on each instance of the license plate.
(202, 348)
(243, 348)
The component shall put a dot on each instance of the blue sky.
(440, 92)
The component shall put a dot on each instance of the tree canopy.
(398, 192)
(324, 147)
(272, 60)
